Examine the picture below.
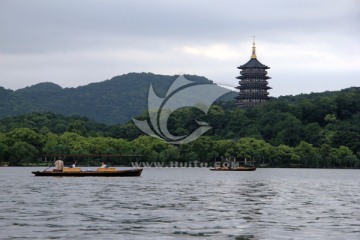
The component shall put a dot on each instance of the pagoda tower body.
(253, 84)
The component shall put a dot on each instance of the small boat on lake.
(100, 172)
(241, 168)
(231, 164)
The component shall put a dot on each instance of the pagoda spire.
(253, 49)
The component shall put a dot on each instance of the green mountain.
(112, 101)
(307, 130)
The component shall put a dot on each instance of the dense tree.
(285, 156)
(204, 148)
(312, 133)
(308, 154)
(22, 153)
(290, 131)
(308, 130)
(78, 127)
(24, 135)
(53, 145)
(345, 158)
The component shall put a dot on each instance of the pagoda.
(253, 84)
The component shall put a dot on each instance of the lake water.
(193, 203)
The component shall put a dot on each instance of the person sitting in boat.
(59, 165)
(103, 165)
(74, 164)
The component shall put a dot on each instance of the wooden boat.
(100, 172)
(241, 168)
(231, 164)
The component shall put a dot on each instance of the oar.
(47, 169)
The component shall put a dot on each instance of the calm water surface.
(182, 204)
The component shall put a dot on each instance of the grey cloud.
(76, 42)
(40, 26)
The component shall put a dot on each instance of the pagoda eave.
(252, 76)
(246, 67)
(252, 97)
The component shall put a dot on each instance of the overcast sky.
(310, 45)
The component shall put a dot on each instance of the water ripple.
(183, 204)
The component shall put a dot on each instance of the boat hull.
(118, 173)
(234, 169)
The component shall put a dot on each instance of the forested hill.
(111, 101)
(307, 130)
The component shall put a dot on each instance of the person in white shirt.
(59, 165)
(103, 165)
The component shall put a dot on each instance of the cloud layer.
(309, 45)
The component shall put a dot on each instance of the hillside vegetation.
(307, 130)
(112, 101)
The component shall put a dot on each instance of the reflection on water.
(182, 204)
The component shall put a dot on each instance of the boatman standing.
(59, 165)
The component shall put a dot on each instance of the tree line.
(23, 146)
